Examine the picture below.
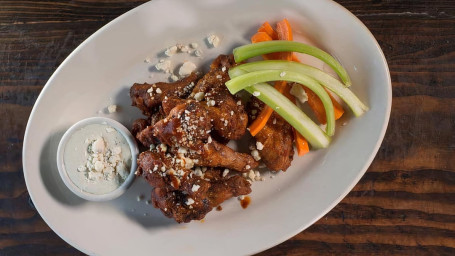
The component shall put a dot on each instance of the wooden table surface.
(405, 203)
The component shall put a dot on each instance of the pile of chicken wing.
(188, 125)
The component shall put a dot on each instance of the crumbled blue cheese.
(183, 48)
(112, 109)
(255, 155)
(299, 93)
(99, 159)
(197, 53)
(173, 78)
(164, 65)
(213, 40)
(199, 96)
(195, 188)
(187, 68)
(259, 145)
(171, 51)
(189, 201)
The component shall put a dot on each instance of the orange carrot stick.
(318, 108)
(269, 30)
(283, 32)
(300, 142)
(260, 37)
(263, 117)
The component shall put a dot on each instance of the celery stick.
(252, 50)
(244, 81)
(291, 113)
(357, 107)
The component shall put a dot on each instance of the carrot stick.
(300, 142)
(263, 117)
(283, 32)
(260, 37)
(269, 30)
(316, 105)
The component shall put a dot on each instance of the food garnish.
(285, 67)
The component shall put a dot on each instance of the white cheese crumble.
(211, 103)
(299, 93)
(102, 162)
(112, 108)
(171, 51)
(194, 45)
(259, 145)
(183, 48)
(197, 53)
(162, 147)
(255, 93)
(282, 74)
(163, 65)
(195, 188)
(256, 155)
(213, 40)
(189, 201)
(186, 68)
(173, 78)
(225, 172)
(110, 129)
(199, 96)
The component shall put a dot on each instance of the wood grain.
(405, 203)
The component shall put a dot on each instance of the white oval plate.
(101, 70)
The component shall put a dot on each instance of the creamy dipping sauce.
(97, 158)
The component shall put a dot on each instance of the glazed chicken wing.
(188, 125)
(148, 96)
(186, 194)
(276, 137)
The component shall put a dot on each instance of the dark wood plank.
(402, 206)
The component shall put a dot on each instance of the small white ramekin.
(61, 165)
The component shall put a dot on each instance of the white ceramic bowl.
(64, 174)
